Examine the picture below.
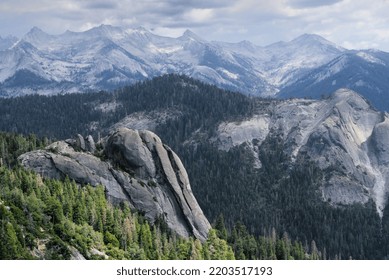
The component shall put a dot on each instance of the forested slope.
(51, 219)
(283, 194)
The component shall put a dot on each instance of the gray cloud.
(101, 5)
(312, 4)
(353, 23)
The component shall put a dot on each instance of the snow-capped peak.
(306, 37)
(104, 31)
(107, 57)
(35, 30)
(189, 35)
(306, 40)
(36, 33)
(38, 38)
(314, 39)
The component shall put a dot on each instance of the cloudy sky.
(350, 23)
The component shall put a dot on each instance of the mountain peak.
(102, 29)
(188, 34)
(310, 37)
(246, 43)
(314, 39)
(37, 37)
(36, 29)
(36, 32)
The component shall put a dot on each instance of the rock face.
(343, 135)
(138, 169)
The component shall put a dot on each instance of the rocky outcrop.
(137, 169)
(126, 148)
(343, 135)
(90, 144)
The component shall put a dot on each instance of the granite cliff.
(343, 135)
(135, 167)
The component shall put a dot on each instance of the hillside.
(42, 218)
(315, 169)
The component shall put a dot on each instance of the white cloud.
(199, 15)
(348, 22)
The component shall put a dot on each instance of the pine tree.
(10, 247)
(221, 228)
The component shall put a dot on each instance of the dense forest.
(50, 219)
(62, 116)
(276, 198)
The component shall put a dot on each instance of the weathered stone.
(125, 147)
(42, 163)
(140, 171)
(342, 135)
(380, 142)
(90, 144)
(80, 142)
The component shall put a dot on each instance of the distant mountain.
(108, 57)
(364, 71)
(282, 63)
(290, 60)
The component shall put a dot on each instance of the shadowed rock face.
(138, 169)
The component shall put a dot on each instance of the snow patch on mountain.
(370, 58)
(106, 57)
(290, 60)
(229, 74)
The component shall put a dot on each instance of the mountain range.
(108, 57)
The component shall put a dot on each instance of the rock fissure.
(178, 176)
(131, 202)
(174, 199)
